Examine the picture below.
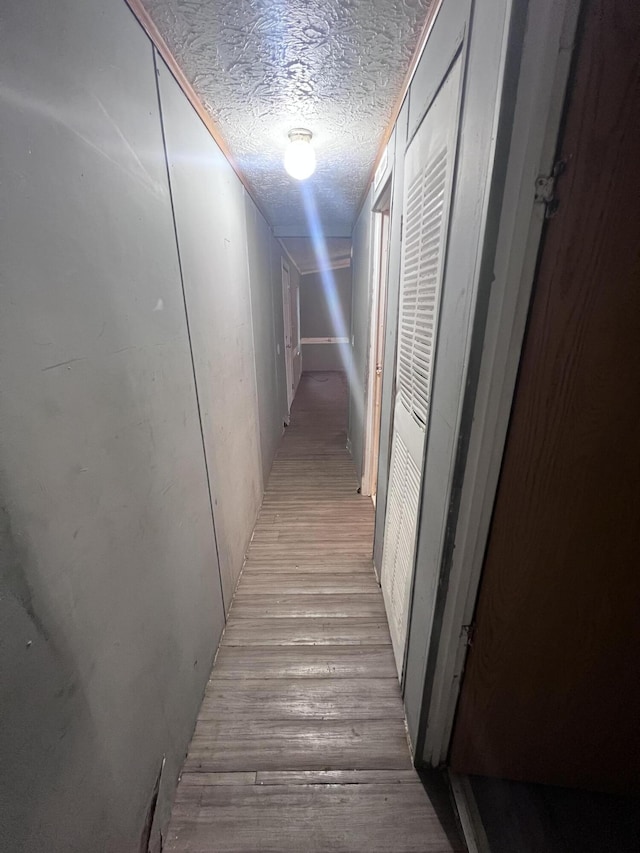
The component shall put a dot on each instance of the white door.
(429, 165)
(288, 343)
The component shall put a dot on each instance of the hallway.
(300, 742)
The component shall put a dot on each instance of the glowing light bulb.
(300, 158)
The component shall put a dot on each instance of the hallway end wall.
(325, 312)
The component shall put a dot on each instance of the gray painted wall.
(266, 299)
(211, 225)
(110, 605)
(360, 321)
(110, 601)
(325, 312)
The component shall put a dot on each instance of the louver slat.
(420, 277)
(400, 532)
(428, 173)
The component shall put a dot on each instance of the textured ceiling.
(262, 67)
(334, 252)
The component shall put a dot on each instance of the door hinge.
(545, 189)
(467, 634)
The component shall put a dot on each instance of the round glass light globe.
(300, 159)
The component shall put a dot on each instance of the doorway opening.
(317, 308)
(379, 279)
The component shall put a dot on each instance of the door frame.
(544, 69)
(377, 326)
(288, 330)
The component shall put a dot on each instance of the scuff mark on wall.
(146, 845)
(13, 580)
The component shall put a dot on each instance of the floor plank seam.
(301, 741)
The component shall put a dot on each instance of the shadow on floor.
(436, 786)
(522, 818)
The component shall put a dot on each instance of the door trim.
(468, 813)
(288, 331)
(544, 69)
(377, 319)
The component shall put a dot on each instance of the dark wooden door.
(551, 691)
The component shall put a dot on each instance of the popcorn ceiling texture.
(261, 67)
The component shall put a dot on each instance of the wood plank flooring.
(300, 744)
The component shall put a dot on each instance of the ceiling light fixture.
(300, 158)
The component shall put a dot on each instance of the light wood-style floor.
(300, 744)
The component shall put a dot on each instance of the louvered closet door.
(427, 192)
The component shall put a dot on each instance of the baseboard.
(470, 821)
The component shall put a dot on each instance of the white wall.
(110, 594)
